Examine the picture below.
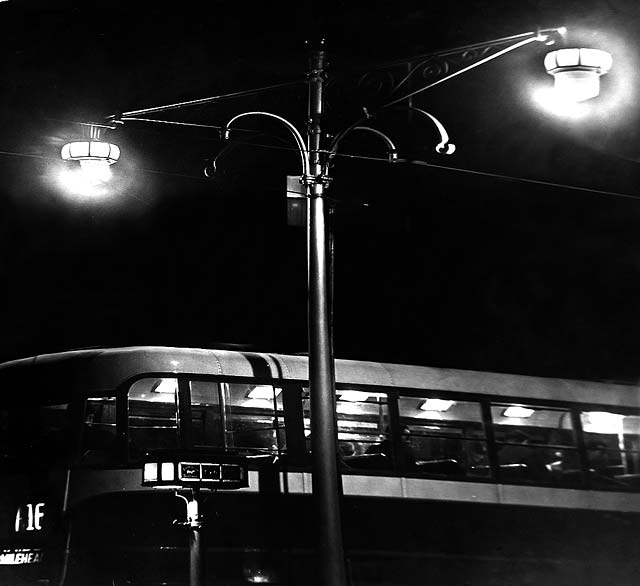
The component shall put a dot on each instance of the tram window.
(363, 423)
(33, 434)
(447, 437)
(153, 415)
(206, 427)
(237, 415)
(535, 445)
(99, 432)
(613, 449)
(254, 416)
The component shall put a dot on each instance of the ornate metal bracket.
(399, 81)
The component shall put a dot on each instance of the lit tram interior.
(433, 479)
(427, 436)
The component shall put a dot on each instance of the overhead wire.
(202, 101)
(399, 161)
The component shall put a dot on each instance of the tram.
(448, 476)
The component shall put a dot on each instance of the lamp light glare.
(353, 396)
(515, 411)
(95, 170)
(603, 422)
(436, 405)
(166, 386)
(577, 72)
(263, 392)
(431, 415)
(80, 182)
(257, 404)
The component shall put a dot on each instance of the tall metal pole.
(326, 492)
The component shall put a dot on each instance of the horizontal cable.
(415, 162)
(192, 124)
(202, 101)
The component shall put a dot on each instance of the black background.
(432, 266)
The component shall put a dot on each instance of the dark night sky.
(440, 267)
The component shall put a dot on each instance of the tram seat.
(568, 478)
(447, 467)
(631, 480)
(368, 462)
(143, 439)
(514, 472)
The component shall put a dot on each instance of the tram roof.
(107, 368)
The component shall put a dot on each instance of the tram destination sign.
(194, 469)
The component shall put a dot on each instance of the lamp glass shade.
(593, 59)
(567, 57)
(78, 150)
(99, 149)
(596, 58)
(577, 72)
(577, 86)
(90, 150)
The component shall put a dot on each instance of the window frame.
(185, 435)
(297, 456)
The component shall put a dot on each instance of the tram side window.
(255, 417)
(33, 434)
(613, 449)
(363, 429)
(206, 423)
(237, 415)
(535, 445)
(99, 432)
(153, 415)
(446, 437)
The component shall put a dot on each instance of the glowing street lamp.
(577, 72)
(95, 157)
(313, 180)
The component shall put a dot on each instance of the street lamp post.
(325, 485)
(326, 489)
(314, 177)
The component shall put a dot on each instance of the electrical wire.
(191, 124)
(202, 101)
(385, 160)
(518, 179)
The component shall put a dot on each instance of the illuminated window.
(237, 415)
(255, 416)
(363, 422)
(153, 415)
(99, 432)
(444, 437)
(535, 445)
(613, 449)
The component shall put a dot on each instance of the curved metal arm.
(444, 146)
(304, 153)
(211, 165)
(542, 36)
(333, 148)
